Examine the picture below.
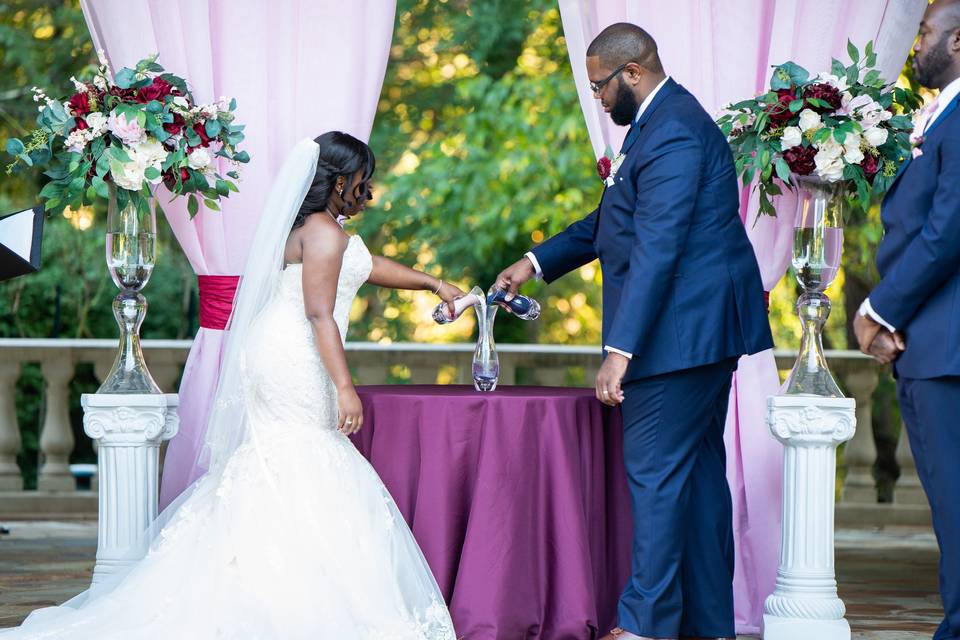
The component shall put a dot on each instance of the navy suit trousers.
(931, 412)
(682, 570)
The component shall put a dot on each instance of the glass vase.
(817, 248)
(486, 363)
(131, 253)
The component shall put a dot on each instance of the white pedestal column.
(804, 604)
(128, 429)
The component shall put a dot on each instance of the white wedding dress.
(296, 537)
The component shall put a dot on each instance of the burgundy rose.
(870, 165)
(825, 92)
(123, 94)
(201, 131)
(603, 167)
(158, 90)
(780, 110)
(176, 126)
(800, 159)
(80, 104)
(79, 124)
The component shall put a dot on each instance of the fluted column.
(129, 429)
(860, 454)
(56, 436)
(908, 489)
(10, 478)
(804, 604)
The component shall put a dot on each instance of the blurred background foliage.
(482, 153)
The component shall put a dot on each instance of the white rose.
(199, 159)
(97, 123)
(875, 136)
(830, 148)
(792, 137)
(839, 83)
(151, 152)
(829, 166)
(870, 118)
(128, 175)
(853, 155)
(851, 148)
(809, 120)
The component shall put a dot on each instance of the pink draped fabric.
(723, 52)
(297, 68)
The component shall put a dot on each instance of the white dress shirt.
(533, 259)
(949, 93)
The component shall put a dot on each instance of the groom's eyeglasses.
(598, 86)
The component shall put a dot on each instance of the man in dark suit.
(682, 301)
(913, 315)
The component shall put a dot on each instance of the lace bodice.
(281, 360)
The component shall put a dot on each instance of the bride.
(290, 534)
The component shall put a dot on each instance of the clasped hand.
(875, 340)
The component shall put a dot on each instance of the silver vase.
(131, 252)
(817, 248)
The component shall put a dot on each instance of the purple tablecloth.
(518, 499)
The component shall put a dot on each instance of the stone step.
(851, 514)
(48, 505)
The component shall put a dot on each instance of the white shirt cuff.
(867, 310)
(536, 264)
(628, 356)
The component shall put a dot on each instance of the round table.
(517, 498)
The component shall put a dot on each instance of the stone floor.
(888, 577)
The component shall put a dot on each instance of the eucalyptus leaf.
(125, 78)
(14, 147)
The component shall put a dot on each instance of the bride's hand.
(450, 292)
(351, 411)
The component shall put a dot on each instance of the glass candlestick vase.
(817, 248)
(131, 253)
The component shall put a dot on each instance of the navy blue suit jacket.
(681, 286)
(919, 257)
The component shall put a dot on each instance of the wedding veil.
(227, 426)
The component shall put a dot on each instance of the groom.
(913, 315)
(682, 301)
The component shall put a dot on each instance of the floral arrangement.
(847, 126)
(134, 132)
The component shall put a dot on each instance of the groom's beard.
(625, 107)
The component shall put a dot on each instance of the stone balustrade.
(378, 364)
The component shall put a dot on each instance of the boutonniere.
(915, 141)
(920, 121)
(607, 168)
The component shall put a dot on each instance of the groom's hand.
(866, 330)
(609, 378)
(515, 275)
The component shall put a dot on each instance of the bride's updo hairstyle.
(340, 155)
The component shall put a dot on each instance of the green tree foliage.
(483, 152)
